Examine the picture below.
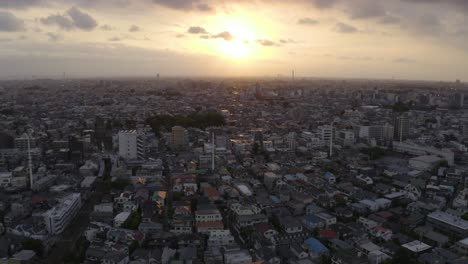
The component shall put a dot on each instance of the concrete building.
(179, 137)
(131, 145)
(424, 163)
(21, 143)
(448, 223)
(58, 218)
(220, 238)
(237, 256)
(402, 127)
(462, 246)
(326, 134)
(417, 150)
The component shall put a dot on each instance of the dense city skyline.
(402, 39)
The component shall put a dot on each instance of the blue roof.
(274, 199)
(329, 174)
(315, 246)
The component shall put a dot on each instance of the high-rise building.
(221, 141)
(381, 132)
(291, 140)
(457, 100)
(402, 127)
(325, 134)
(131, 145)
(179, 137)
(21, 143)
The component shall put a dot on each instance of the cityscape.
(121, 154)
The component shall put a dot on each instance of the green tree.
(120, 183)
(255, 148)
(35, 245)
(465, 216)
(133, 220)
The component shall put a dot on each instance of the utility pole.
(31, 181)
(331, 141)
(212, 152)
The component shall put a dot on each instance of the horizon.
(232, 77)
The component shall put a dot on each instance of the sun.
(235, 49)
(241, 46)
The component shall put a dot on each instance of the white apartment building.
(58, 218)
(220, 238)
(131, 145)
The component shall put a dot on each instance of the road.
(66, 241)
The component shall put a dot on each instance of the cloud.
(286, 41)
(61, 21)
(180, 36)
(82, 20)
(10, 23)
(460, 5)
(266, 42)
(404, 60)
(197, 30)
(324, 3)
(204, 7)
(361, 58)
(224, 35)
(134, 28)
(54, 37)
(186, 5)
(363, 9)
(114, 39)
(428, 24)
(388, 19)
(74, 18)
(13, 4)
(345, 28)
(307, 21)
(106, 27)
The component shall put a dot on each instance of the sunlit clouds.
(354, 38)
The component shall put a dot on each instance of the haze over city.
(402, 39)
(233, 132)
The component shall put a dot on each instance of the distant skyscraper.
(258, 137)
(179, 137)
(291, 139)
(157, 81)
(131, 145)
(457, 100)
(402, 127)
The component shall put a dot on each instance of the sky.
(376, 39)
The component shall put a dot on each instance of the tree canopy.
(198, 119)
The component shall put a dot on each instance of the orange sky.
(404, 39)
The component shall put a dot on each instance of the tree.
(120, 183)
(374, 153)
(34, 245)
(78, 254)
(133, 221)
(402, 256)
(200, 120)
(255, 148)
(465, 216)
